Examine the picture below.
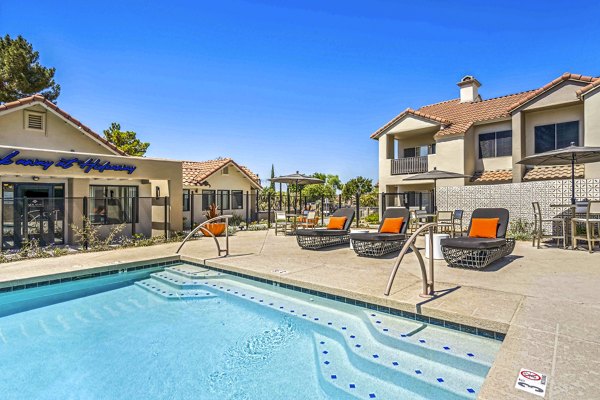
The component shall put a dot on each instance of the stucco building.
(55, 171)
(485, 138)
(232, 187)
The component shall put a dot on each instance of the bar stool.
(591, 221)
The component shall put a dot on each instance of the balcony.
(409, 165)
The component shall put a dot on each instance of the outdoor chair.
(281, 222)
(376, 244)
(592, 224)
(538, 226)
(318, 238)
(309, 221)
(416, 220)
(444, 220)
(479, 249)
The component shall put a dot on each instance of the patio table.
(567, 219)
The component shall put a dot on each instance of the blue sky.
(300, 84)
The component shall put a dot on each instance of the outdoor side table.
(437, 245)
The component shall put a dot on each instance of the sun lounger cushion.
(473, 243)
(321, 232)
(377, 237)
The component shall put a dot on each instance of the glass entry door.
(32, 211)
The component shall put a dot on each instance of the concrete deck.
(545, 300)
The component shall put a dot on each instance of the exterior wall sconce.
(157, 192)
(35, 178)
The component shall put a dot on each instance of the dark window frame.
(431, 148)
(223, 194)
(235, 200)
(208, 197)
(187, 193)
(494, 143)
(131, 204)
(540, 130)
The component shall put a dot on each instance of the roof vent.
(35, 121)
(225, 171)
(469, 89)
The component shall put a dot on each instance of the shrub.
(372, 218)
(519, 229)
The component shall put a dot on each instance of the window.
(556, 136)
(223, 199)
(495, 144)
(113, 204)
(208, 198)
(419, 151)
(186, 199)
(35, 121)
(237, 199)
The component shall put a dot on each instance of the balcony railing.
(409, 165)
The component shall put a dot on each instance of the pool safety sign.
(532, 382)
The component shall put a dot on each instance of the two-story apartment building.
(485, 138)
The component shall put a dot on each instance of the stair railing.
(202, 227)
(427, 279)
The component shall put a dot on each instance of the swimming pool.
(190, 333)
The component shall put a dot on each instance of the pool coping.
(474, 326)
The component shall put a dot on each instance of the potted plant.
(216, 228)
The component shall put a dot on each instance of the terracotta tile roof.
(497, 176)
(564, 77)
(456, 118)
(539, 173)
(588, 88)
(36, 98)
(196, 172)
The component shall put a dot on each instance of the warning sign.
(532, 382)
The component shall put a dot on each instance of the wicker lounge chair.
(314, 239)
(376, 244)
(470, 252)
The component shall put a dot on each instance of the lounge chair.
(376, 244)
(479, 252)
(319, 238)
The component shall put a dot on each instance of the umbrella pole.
(573, 179)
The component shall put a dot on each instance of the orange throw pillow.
(392, 225)
(336, 223)
(484, 228)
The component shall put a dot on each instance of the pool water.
(191, 333)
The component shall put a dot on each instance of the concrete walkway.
(546, 300)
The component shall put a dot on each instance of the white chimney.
(468, 89)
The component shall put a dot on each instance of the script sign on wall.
(86, 165)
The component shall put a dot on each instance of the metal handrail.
(428, 284)
(204, 230)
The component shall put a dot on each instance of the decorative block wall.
(516, 197)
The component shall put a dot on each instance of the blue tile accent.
(352, 386)
(395, 363)
(446, 348)
(333, 376)
(322, 342)
(357, 345)
(343, 328)
(375, 355)
(418, 371)
(470, 390)
(352, 336)
(372, 395)
(385, 329)
(422, 340)
(326, 363)
(471, 354)
(325, 352)
(440, 380)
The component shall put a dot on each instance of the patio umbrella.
(296, 179)
(568, 155)
(434, 175)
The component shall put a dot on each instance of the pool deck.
(546, 300)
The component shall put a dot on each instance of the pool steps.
(397, 357)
